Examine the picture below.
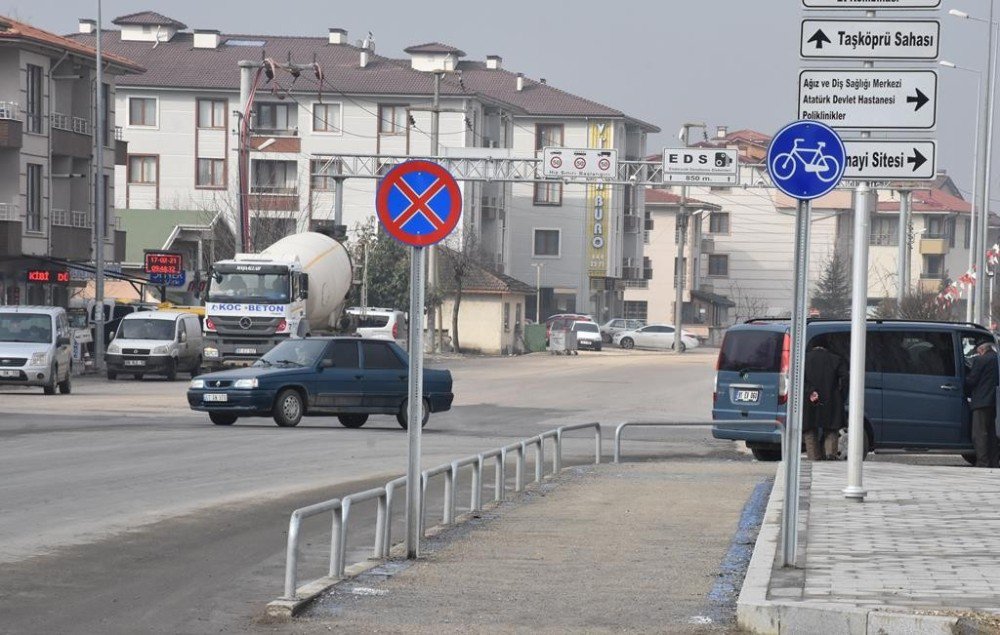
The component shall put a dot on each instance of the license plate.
(10, 373)
(216, 397)
(746, 396)
(135, 362)
(246, 351)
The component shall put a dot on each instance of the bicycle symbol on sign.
(825, 167)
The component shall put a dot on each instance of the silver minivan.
(156, 343)
(35, 348)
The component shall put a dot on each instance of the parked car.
(346, 377)
(588, 335)
(914, 398)
(655, 336)
(563, 321)
(379, 323)
(36, 348)
(612, 327)
(156, 342)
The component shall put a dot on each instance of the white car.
(379, 323)
(654, 336)
(588, 335)
(612, 327)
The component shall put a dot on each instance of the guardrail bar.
(619, 431)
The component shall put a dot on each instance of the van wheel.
(842, 445)
(112, 375)
(50, 388)
(222, 418)
(403, 412)
(970, 458)
(137, 376)
(352, 421)
(681, 347)
(627, 342)
(766, 454)
(288, 409)
(172, 370)
(66, 386)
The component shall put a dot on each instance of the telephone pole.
(680, 270)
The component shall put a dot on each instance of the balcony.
(10, 230)
(273, 198)
(10, 126)
(633, 224)
(930, 283)
(71, 233)
(276, 141)
(636, 284)
(121, 147)
(71, 136)
(933, 245)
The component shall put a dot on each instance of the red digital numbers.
(164, 262)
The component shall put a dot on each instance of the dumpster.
(562, 342)
(534, 335)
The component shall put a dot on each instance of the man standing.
(826, 378)
(981, 387)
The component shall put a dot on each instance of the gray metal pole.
(903, 259)
(793, 439)
(247, 69)
(414, 408)
(973, 216)
(859, 306)
(680, 270)
(432, 312)
(338, 203)
(983, 151)
(538, 292)
(99, 202)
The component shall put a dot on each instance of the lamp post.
(99, 203)
(538, 291)
(983, 160)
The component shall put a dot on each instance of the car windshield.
(146, 330)
(586, 326)
(26, 327)
(294, 353)
(248, 287)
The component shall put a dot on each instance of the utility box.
(534, 337)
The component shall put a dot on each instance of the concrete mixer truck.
(295, 288)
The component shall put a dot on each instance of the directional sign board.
(579, 163)
(419, 203)
(868, 99)
(701, 166)
(806, 160)
(884, 160)
(871, 5)
(870, 39)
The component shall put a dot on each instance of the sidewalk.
(610, 548)
(920, 555)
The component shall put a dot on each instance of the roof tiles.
(12, 30)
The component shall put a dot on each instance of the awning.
(712, 298)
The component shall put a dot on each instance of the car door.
(969, 341)
(385, 376)
(64, 351)
(923, 402)
(338, 382)
(183, 356)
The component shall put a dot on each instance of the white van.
(379, 323)
(35, 348)
(156, 342)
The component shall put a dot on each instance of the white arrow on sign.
(870, 39)
(869, 99)
(871, 5)
(882, 160)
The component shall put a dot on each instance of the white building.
(182, 134)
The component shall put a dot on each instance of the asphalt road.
(120, 509)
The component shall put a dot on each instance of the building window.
(323, 172)
(718, 265)
(142, 170)
(33, 109)
(275, 177)
(33, 198)
(967, 239)
(276, 119)
(108, 220)
(933, 266)
(548, 135)
(142, 111)
(212, 114)
(635, 310)
(547, 243)
(517, 316)
(884, 232)
(718, 223)
(106, 114)
(647, 227)
(326, 118)
(211, 173)
(392, 119)
(548, 193)
(506, 317)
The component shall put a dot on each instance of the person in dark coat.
(826, 379)
(981, 387)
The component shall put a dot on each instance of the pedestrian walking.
(981, 388)
(826, 379)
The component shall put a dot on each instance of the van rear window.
(752, 351)
(372, 321)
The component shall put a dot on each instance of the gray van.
(156, 342)
(914, 379)
(36, 348)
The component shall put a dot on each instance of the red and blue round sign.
(419, 203)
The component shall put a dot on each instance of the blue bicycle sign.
(806, 160)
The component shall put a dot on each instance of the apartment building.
(48, 176)
(346, 99)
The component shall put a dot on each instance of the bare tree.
(748, 305)
(915, 306)
(459, 263)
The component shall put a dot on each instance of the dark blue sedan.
(346, 377)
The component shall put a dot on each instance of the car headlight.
(39, 359)
(160, 350)
(210, 352)
(197, 383)
(115, 349)
(245, 383)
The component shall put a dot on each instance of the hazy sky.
(722, 62)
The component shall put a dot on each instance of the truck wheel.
(222, 418)
(172, 370)
(66, 386)
(402, 414)
(352, 421)
(287, 409)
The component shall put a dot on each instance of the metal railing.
(620, 430)
(9, 212)
(119, 133)
(69, 123)
(385, 496)
(10, 110)
(71, 218)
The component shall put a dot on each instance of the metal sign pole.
(793, 436)
(414, 403)
(859, 307)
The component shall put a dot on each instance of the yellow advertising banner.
(599, 135)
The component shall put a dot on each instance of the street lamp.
(538, 290)
(974, 234)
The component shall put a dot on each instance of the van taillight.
(209, 324)
(395, 330)
(786, 350)
(718, 360)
